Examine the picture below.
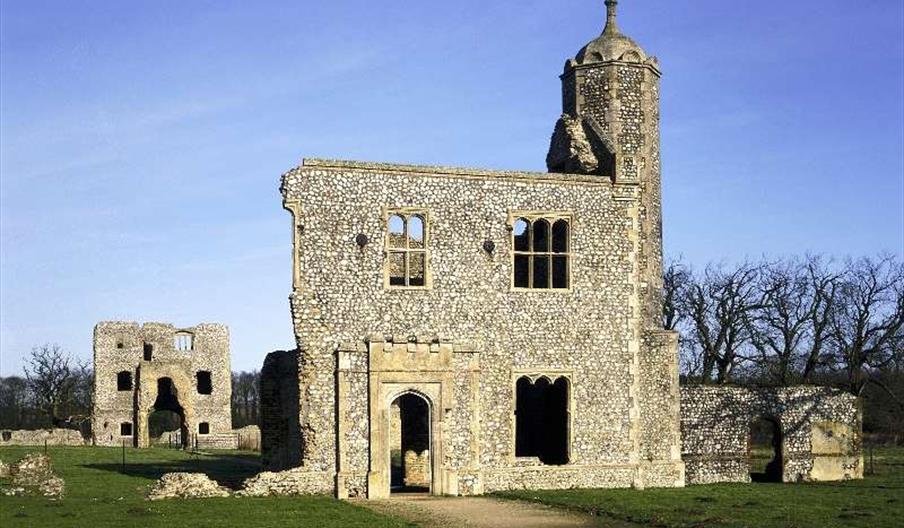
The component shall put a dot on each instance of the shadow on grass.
(227, 470)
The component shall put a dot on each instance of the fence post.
(45, 447)
(123, 455)
(872, 466)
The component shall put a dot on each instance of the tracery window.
(542, 252)
(183, 341)
(406, 249)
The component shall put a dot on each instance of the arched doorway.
(409, 445)
(167, 415)
(765, 450)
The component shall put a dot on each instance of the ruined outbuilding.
(466, 331)
(141, 369)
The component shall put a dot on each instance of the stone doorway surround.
(378, 479)
(392, 367)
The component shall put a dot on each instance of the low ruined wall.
(298, 481)
(280, 412)
(820, 429)
(53, 437)
(248, 438)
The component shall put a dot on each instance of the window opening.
(124, 381)
(541, 420)
(183, 342)
(542, 253)
(205, 384)
(406, 247)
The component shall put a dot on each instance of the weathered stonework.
(40, 437)
(820, 432)
(185, 486)
(148, 353)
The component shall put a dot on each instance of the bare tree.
(868, 319)
(676, 278)
(718, 305)
(779, 326)
(823, 285)
(51, 379)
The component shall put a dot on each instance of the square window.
(203, 428)
(125, 429)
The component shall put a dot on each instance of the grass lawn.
(99, 495)
(877, 501)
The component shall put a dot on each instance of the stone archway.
(168, 400)
(765, 450)
(409, 444)
(380, 480)
(164, 386)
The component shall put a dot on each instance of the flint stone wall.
(37, 437)
(820, 427)
(119, 346)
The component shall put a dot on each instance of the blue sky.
(141, 143)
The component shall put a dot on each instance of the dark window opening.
(7, 436)
(119, 344)
(205, 385)
(409, 445)
(542, 257)
(203, 428)
(148, 351)
(541, 420)
(765, 451)
(125, 429)
(124, 381)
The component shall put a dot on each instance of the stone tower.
(610, 127)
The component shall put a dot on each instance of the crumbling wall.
(820, 432)
(280, 413)
(38, 437)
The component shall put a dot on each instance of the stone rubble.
(33, 474)
(185, 486)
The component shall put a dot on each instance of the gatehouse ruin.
(181, 375)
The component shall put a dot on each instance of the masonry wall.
(590, 334)
(821, 430)
(119, 346)
(40, 437)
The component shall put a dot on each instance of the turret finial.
(611, 6)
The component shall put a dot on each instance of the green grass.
(877, 501)
(99, 495)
